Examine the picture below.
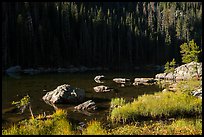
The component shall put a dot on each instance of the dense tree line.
(107, 34)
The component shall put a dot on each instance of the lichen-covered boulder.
(65, 94)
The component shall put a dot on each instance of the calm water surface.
(13, 89)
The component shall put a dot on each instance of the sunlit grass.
(177, 127)
(159, 105)
(94, 128)
(57, 124)
(117, 102)
(188, 86)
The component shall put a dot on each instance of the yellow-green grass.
(188, 86)
(117, 102)
(177, 127)
(158, 105)
(94, 128)
(56, 125)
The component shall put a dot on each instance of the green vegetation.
(190, 52)
(56, 125)
(23, 103)
(159, 105)
(94, 128)
(117, 102)
(170, 67)
(177, 127)
(188, 86)
(97, 33)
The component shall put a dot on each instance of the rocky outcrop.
(99, 78)
(88, 105)
(183, 72)
(102, 88)
(65, 94)
(121, 80)
(144, 81)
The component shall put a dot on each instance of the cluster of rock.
(67, 94)
(70, 69)
(183, 72)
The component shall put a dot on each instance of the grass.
(94, 128)
(56, 125)
(159, 105)
(188, 86)
(117, 102)
(177, 127)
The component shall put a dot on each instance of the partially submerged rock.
(144, 81)
(121, 80)
(65, 94)
(102, 88)
(99, 78)
(88, 105)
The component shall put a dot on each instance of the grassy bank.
(159, 105)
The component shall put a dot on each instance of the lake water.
(14, 88)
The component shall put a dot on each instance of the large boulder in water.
(65, 94)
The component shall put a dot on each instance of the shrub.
(94, 128)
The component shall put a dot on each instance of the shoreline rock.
(183, 72)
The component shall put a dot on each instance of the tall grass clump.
(158, 105)
(117, 102)
(94, 128)
(57, 124)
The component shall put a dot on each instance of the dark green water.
(13, 89)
